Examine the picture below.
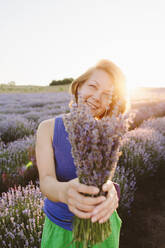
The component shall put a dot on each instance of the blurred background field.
(137, 94)
(4, 88)
(143, 158)
(46, 43)
(147, 94)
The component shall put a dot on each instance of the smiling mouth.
(91, 105)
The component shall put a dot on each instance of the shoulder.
(46, 127)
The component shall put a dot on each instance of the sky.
(50, 40)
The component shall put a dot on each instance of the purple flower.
(95, 148)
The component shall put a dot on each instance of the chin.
(95, 114)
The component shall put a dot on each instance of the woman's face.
(96, 92)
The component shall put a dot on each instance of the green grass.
(32, 89)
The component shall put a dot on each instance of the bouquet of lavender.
(95, 149)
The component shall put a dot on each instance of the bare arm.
(66, 192)
(49, 185)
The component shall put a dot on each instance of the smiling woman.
(94, 92)
(102, 86)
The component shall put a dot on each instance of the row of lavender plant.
(15, 154)
(143, 151)
(21, 215)
(15, 158)
(147, 110)
(33, 107)
(20, 114)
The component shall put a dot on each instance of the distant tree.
(61, 82)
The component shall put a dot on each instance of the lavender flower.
(143, 150)
(21, 217)
(155, 123)
(95, 149)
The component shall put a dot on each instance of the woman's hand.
(106, 208)
(81, 205)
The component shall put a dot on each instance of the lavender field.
(21, 202)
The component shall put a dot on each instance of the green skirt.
(54, 236)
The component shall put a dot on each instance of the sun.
(132, 86)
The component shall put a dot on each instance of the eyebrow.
(99, 84)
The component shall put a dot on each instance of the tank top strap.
(58, 130)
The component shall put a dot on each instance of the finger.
(84, 188)
(105, 218)
(108, 185)
(105, 211)
(78, 213)
(86, 200)
(80, 206)
(103, 205)
(111, 201)
(102, 214)
(87, 189)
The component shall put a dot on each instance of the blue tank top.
(58, 212)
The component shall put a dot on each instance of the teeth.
(91, 105)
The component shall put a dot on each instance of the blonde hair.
(119, 82)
